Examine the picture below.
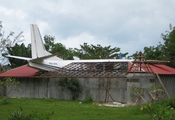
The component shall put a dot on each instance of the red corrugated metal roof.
(149, 68)
(162, 69)
(23, 71)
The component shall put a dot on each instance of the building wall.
(138, 83)
(101, 89)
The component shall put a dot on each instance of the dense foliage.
(19, 50)
(169, 45)
(71, 83)
(97, 52)
(154, 53)
(57, 48)
(160, 110)
(49, 42)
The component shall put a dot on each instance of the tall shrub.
(71, 83)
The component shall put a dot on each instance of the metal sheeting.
(23, 71)
(162, 69)
(169, 83)
(151, 68)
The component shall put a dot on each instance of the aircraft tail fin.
(38, 48)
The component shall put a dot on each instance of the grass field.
(69, 110)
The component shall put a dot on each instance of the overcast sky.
(128, 24)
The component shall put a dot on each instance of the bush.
(71, 83)
(18, 115)
(171, 102)
(160, 110)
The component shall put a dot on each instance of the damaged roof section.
(26, 71)
(151, 68)
(141, 65)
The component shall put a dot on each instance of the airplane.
(43, 60)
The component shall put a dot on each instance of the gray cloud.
(130, 25)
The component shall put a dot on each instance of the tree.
(165, 51)
(53, 47)
(19, 50)
(169, 45)
(154, 53)
(49, 42)
(64, 53)
(97, 52)
(7, 42)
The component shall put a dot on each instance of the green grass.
(69, 110)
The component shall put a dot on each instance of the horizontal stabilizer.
(43, 58)
(18, 57)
